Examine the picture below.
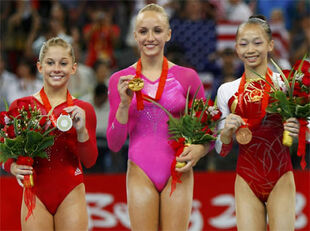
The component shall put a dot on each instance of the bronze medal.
(243, 135)
(136, 84)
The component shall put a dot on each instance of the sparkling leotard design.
(265, 159)
(148, 129)
(56, 176)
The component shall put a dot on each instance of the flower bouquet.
(196, 126)
(290, 97)
(24, 135)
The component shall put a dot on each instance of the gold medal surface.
(180, 164)
(64, 123)
(243, 135)
(136, 84)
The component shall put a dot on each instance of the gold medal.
(64, 123)
(136, 84)
(243, 135)
(180, 164)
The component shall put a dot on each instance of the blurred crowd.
(101, 33)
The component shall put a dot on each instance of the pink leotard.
(265, 159)
(148, 130)
(56, 176)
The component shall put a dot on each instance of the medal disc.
(180, 164)
(243, 135)
(64, 123)
(136, 84)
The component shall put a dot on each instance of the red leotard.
(265, 159)
(56, 176)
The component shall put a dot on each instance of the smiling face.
(253, 45)
(56, 66)
(151, 33)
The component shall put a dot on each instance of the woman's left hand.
(191, 155)
(78, 117)
(292, 126)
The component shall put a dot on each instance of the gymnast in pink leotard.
(264, 181)
(150, 154)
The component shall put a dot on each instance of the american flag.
(226, 32)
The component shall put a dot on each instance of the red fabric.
(161, 85)
(265, 159)
(48, 106)
(178, 147)
(57, 175)
(101, 43)
(251, 122)
(226, 148)
(29, 193)
(302, 142)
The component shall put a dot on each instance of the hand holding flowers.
(196, 126)
(290, 97)
(24, 135)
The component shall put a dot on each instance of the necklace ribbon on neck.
(162, 81)
(48, 106)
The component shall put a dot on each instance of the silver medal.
(64, 123)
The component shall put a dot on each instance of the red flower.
(13, 113)
(305, 66)
(204, 116)
(306, 80)
(286, 73)
(2, 118)
(10, 131)
(217, 116)
(210, 102)
(207, 130)
(298, 92)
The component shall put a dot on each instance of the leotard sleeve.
(224, 93)
(116, 132)
(87, 151)
(189, 78)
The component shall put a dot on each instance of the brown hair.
(258, 20)
(56, 41)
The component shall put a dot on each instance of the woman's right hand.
(19, 171)
(125, 93)
(232, 123)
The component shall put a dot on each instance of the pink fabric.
(148, 129)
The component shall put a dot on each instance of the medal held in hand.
(64, 123)
(243, 135)
(136, 84)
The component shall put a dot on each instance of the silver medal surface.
(64, 123)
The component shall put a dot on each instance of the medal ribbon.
(48, 106)
(161, 85)
(301, 151)
(251, 121)
(29, 193)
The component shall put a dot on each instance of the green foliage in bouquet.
(197, 124)
(24, 132)
(291, 97)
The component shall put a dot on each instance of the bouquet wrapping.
(196, 126)
(290, 97)
(24, 135)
